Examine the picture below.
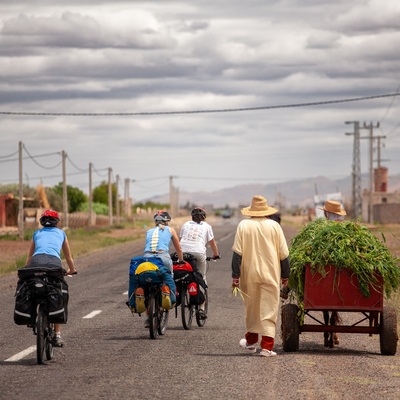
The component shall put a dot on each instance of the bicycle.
(37, 283)
(158, 316)
(189, 309)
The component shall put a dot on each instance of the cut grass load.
(345, 245)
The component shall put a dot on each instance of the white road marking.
(125, 293)
(21, 354)
(92, 314)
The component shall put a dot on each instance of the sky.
(214, 94)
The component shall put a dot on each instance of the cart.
(338, 290)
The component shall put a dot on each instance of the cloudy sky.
(214, 93)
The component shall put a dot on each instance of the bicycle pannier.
(24, 311)
(57, 302)
(196, 294)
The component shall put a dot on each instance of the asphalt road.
(108, 353)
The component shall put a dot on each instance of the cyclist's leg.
(58, 342)
(202, 267)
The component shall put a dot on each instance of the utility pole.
(371, 138)
(126, 198)
(171, 195)
(90, 195)
(65, 195)
(356, 172)
(110, 203)
(21, 196)
(117, 196)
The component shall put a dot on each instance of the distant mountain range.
(294, 193)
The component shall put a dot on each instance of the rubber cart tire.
(290, 327)
(388, 336)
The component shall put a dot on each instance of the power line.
(42, 166)
(273, 107)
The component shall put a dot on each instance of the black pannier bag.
(35, 282)
(196, 294)
(24, 310)
(57, 301)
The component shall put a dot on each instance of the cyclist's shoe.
(267, 353)
(147, 323)
(165, 297)
(140, 300)
(57, 342)
(251, 348)
(202, 314)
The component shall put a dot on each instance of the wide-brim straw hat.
(259, 208)
(333, 207)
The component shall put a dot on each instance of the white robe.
(262, 245)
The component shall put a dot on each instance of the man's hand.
(235, 282)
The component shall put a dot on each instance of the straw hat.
(259, 208)
(333, 207)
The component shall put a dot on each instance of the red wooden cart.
(338, 290)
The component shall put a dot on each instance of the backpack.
(146, 270)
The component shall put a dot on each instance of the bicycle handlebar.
(213, 258)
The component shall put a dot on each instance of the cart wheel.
(388, 336)
(290, 327)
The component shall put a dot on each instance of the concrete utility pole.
(65, 195)
(21, 196)
(126, 198)
(356, 172)
(90, 195)
(173, 198)
(110, 202)
(371, 138)
(117, 196)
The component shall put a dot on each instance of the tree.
(75, 196)
(100, 194)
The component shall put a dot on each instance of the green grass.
(82, 241)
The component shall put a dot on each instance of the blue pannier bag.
(146, 270)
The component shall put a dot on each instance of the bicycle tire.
(153, 317)
(49, 342)
(162, 321)
(187, 310)
(201, 321)
(41, 323)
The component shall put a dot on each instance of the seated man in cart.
(333, 211)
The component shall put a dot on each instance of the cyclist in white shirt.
(194, 237)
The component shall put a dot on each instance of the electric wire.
(226, 110)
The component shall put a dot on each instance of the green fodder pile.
(346, 245)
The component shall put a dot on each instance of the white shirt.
(194, 236)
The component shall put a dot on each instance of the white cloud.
(113, 57)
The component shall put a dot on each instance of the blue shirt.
(49, 241)
(158, 239)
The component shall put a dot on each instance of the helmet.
(49, 218)
(162, 217)
(198, 214)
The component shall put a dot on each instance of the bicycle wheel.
(162, 320)
(187, 310)
(153, 317)
(41, 323)
(49, 335)
(201, 319)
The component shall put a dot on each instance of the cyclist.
(194, 237)
(158, 239)
(44, 251)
